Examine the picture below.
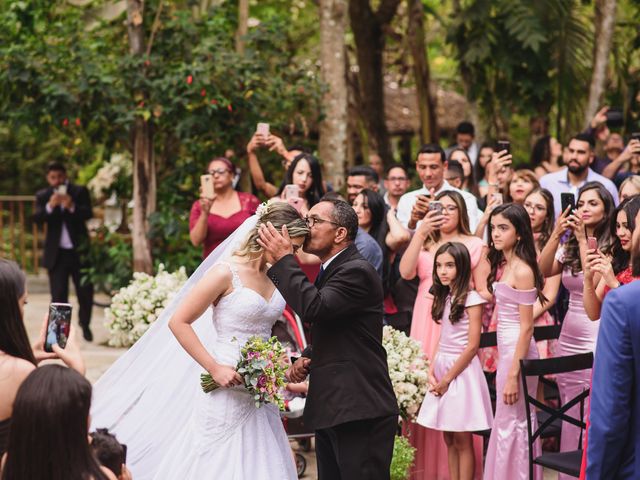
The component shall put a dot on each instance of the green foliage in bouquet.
(403, 455)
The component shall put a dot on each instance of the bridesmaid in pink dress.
(455, 374)
(579, 333)
(512, 247)
(431, 461)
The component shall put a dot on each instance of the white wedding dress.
(152, 400)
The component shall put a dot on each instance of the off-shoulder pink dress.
(431, 461)
(508, 451)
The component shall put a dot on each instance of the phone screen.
(58, 325)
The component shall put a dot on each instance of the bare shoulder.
(17, 368)
(523, 276)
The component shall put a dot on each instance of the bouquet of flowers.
(408, 369)
(135, 307)
(261, 369)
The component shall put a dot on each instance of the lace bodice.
(241, 314)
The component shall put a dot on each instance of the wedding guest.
(522, 183)
(465, 139)
(615, 268)
(580, 157)
(275, 144)
(579, 334)
(213, 219)
(613, 148)
(48, 437)
(469, 183)
(418, 260)
(512, 251)
(482, 173)
(454, 175)
(110, 453)
(431, 164)
(396, 184)
(626, 164)
(359, 178)
(17, 357)
(65, 207)
(458, 401)
(501, 171)
(546, 156)
(629, 187)
(305, 173)
(613, 449)
(376, 163)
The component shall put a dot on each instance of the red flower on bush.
(214, 101)
(65, 122)
(189, 79)
(203, 92)
(78, 122)
(230, 108)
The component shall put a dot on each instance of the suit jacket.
(75, 221)
(349, 378)
(613, 450)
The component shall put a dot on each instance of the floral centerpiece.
(135, 307)
(408, 369)
(261, 369)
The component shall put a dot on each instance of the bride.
(151, 397)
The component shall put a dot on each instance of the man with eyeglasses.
(351, 403)
(396, 184)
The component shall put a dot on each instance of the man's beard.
(577, 168)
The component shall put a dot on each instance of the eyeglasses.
(311, 221)
(219, 171)
(450, 208)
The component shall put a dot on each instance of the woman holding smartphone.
(452, 225)
(215, 215)
(17, 357)
(305, 174)
(579, 334)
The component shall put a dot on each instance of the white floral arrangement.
(119, 167)
(135, 307)
(408, 370)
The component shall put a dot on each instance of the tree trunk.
(144, 174)
(368, 32)
(421, 73)
(605, 24)
(333, 129)
(243, 25)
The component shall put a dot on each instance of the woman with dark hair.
(48, 437)
(482, 172)
(469, 183)
(305, 172)
(591, 218)
(213, 219)
(17, 357)
(436, 229)
(546, 156)
(614, 269)
(512, 252)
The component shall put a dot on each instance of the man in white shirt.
(431, 165)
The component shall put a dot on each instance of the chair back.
(552, 366)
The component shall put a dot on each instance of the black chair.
(551, 392)
(563, 462)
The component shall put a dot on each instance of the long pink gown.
(508, 451)
(431, 461)
(578, 335)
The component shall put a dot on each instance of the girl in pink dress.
(431, 460)
(579, 333)
(458, 402)
(511, 246)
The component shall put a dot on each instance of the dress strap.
(235, 278)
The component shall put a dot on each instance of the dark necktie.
(320, 275)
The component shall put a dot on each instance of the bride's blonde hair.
(279, 214)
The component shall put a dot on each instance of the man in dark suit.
(351, 404)
(613, 450)
(65, 208)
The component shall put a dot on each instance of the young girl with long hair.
(469, 183)
(306, 173)
(512, 251)
(458, 401)
(431, 459)
(579, 334)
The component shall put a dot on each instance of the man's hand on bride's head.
(275, 244)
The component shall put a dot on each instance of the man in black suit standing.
(65, 208)
(351, 404)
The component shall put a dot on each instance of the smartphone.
(566, 200)
(504, 145)
(592, 243)
(497, 196)
(437, 206)
(206, 181)
(291, 191)
(263, 129)
(635, 136)
(58, 326)
(124, 453)
(62, 189)
(615, 118)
